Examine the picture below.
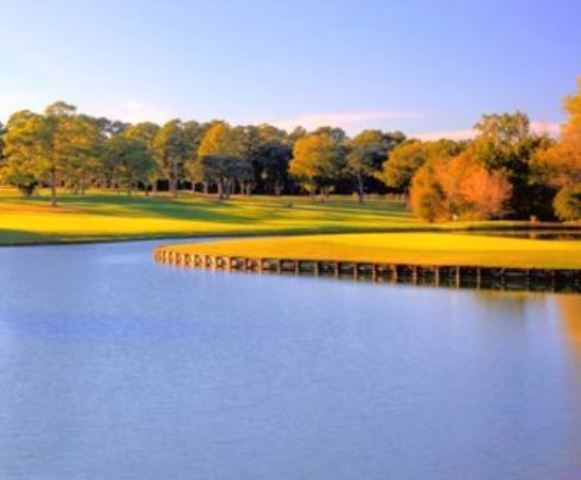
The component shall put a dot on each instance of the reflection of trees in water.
(569, 307)
(512, 303)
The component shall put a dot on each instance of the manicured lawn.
(102, 216)
(413, 248)
(110, 216)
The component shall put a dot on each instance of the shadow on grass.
(239, 210)
(152, 207)
(19, 237)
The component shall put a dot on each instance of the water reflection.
(569, 307)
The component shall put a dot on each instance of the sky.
(427, 67)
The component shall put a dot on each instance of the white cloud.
(450, 134)
(545, 128)
(538, 127)
(349, 121)
(125, 110)
(128, 111)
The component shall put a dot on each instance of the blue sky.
(416, 65)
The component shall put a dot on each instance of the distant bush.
(567, 203)
(458, 188)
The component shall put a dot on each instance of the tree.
(171, 152)
(19, 167)
(458, 188)
(368, 151)
(265, 151)
(273, 164)
(318, 160)
(427, 197)
(193, 132)
(85, 157)
(407, 158)
(220, 153)
(471, 191)
(504, 143)
(132, 160)
(560, 164)
(146, 132)
(40, 147)
(2, 133)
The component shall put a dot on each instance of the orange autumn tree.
(560, 164)
(458, 188)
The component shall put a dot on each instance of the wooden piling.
(456, 275)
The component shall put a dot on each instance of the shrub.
(567, 203)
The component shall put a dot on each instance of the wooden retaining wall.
(435, 275)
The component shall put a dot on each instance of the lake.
(115, 367)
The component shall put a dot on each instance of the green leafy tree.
(319, 160)
(504, 143)
(368, 152)
(132, 160)
(407, 158)
(264, 150)
(171, 152)
(83, 162)
(19, 166)
(146, 132)
(273, 164)
(220, 153)
(44, 146)
(193, 132)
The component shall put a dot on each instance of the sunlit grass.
(99, 216)
(413, 248)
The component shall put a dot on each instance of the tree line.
(505, 171)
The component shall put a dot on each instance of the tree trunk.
(173, 187)
(277, 190)
(53, 187)
(360, 190)
(175, 180)
(193, 187)
(313, 194)
(206, 188)
(220, 190)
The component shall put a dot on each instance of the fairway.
(405, 248)
(110, 217)
(378, 230)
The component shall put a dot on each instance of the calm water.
(114, 367)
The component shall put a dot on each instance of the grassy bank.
(108, 216)
(100, 216)
(406, 248)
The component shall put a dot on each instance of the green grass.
(100, 216)
(407, 248)
(109, 216)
